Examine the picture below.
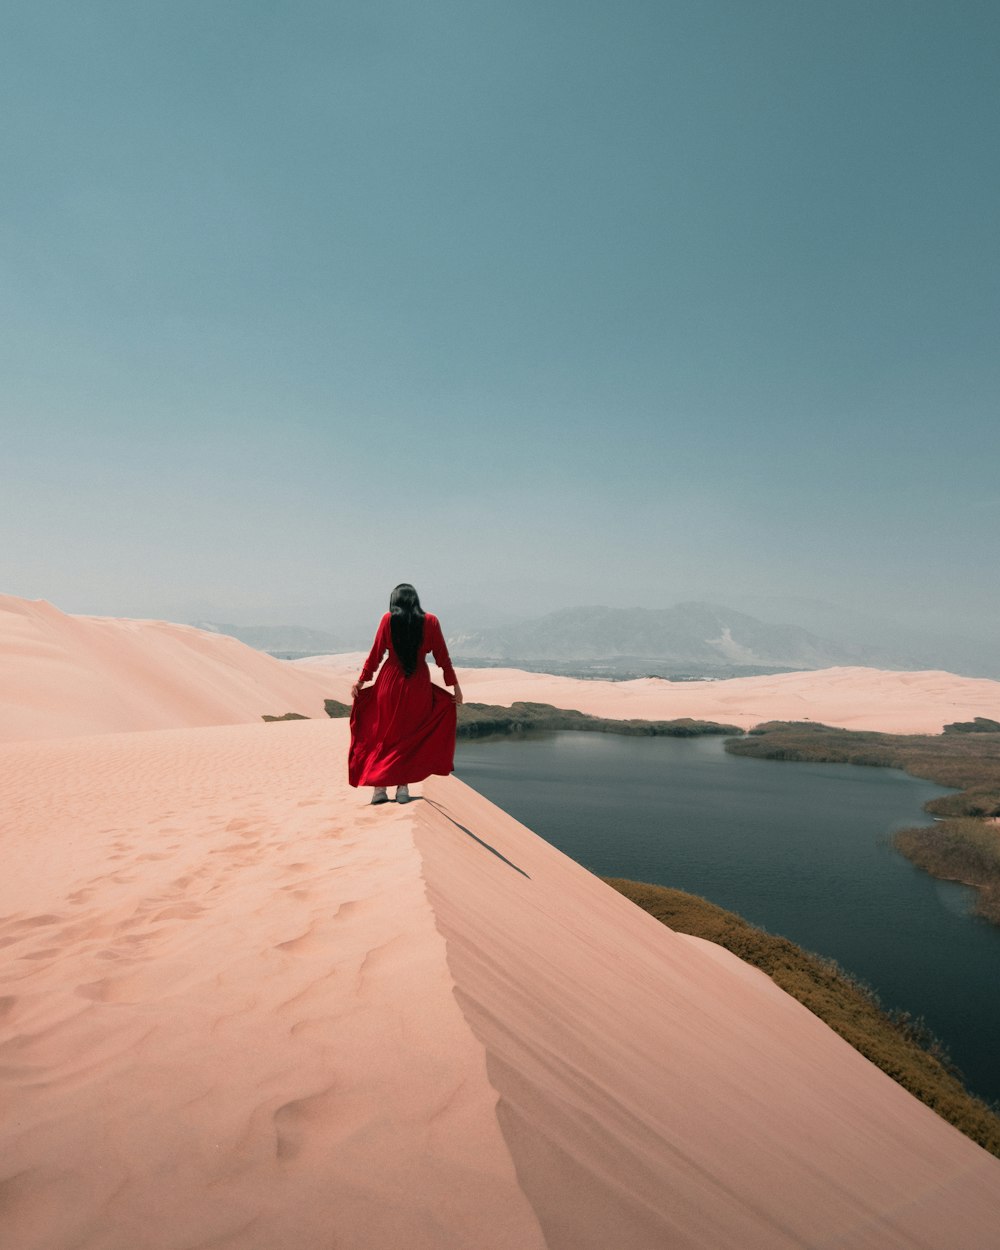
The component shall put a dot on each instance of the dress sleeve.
(379, 647)
(438, 645)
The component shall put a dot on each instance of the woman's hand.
(355, 689)
(459, 698)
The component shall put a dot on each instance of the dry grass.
(898, 1044)
(484, 719)
(959, 850)
(479, 719)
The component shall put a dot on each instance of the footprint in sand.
(304, 944)
(320, 1027)
(181, 911)
(111, 990)
(293, 1121)
(36, 922)
(82, 930)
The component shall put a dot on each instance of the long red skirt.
(402, 729)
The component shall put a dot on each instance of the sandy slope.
(63, 675)
(242, 1010)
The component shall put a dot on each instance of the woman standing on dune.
(403, 726)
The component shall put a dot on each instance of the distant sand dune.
(853, 698)
(62, 675)
(241, 1008)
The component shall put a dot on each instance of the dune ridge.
(243, 1009)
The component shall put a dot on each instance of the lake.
(799, 849)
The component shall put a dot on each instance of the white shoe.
(380, 795)
(402, 794)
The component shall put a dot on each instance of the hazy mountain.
(468, 617)
(286, 640)
(300, 640)
(690, 634)
(911, 646)
(689, 638)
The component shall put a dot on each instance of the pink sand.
(240, 1009)
(64, 675)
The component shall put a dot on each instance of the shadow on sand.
(492, 849)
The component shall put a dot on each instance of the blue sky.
(532, 304)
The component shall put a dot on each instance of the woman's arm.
(442, 658)
(379, 647)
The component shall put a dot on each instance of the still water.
(800, 849)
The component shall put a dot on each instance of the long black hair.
(407, 625)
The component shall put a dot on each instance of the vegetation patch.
(959, 850)
(478, 719)
(902, 1046)
(964, 844)
(981, 725)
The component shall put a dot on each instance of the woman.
(403, 726)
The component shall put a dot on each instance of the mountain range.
(710, 639)
(696, 636)
(688, 639)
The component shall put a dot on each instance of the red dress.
(403, 728)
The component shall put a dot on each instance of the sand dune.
(854, 698)
(243, 1009)
(240, 1009)
(63, 675)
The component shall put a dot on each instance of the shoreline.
(797, 741)
(963, 843)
